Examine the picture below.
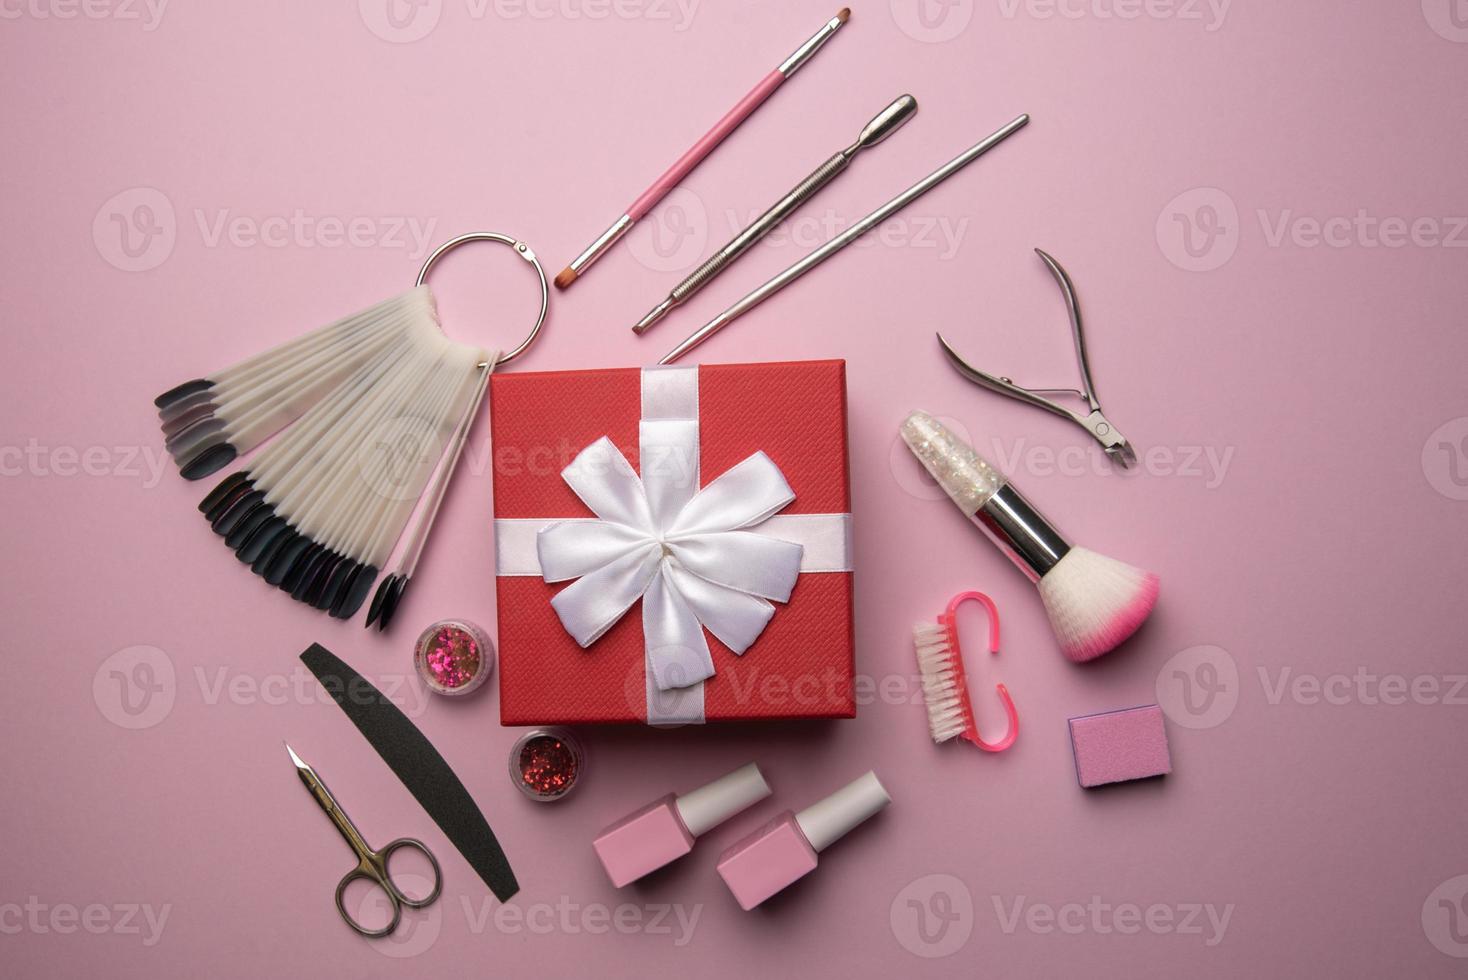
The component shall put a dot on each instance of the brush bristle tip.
(565, 277)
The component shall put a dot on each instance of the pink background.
(1331, 545)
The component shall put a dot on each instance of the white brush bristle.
(946, 715)
(1095, 602)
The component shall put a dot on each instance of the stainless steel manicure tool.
(372, 866)
(1094, 421)
(883, 125)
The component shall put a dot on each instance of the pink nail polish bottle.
(663, 831)
(784, 850)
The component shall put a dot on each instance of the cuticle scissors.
(371, 865)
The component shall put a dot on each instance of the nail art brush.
(695, 154)
(780, 281)
(884, 124)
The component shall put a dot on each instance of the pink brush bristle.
(945, 688)
(944, 691)
(1095, 603)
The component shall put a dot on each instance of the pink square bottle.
(664, 830)
(785, 849)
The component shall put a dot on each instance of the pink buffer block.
(785, 850)
(664, 830)
(1117, 746)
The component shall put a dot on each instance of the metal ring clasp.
(521, 249)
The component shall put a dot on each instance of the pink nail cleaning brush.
(1094, 602)
(684, 165)
(940, 660)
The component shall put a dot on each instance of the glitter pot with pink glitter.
(454, 657)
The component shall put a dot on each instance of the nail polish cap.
(831, 819)
(708, 806)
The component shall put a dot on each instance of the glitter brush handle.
(985, 497)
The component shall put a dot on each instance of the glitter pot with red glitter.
(454, 657)
(546, 764)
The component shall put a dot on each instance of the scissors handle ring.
(391, 886)
(373, 868)
(393, 899)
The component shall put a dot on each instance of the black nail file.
(410, 755)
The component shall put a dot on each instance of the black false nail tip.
(282, 556)
(355, 593)
(262, 561)
(191, 440)
(333, 587)
(266, 536)
(179, 421)
(185, 406)
(310, 567)
(376, 608)
(236, 512)
(208, 462)
(390, 603)
(317, 579)
(223, 489)
(253, 521)
(291, 577)
(182, 391)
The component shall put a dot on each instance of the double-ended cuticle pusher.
(884, 124)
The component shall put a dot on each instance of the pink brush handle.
(705, 146)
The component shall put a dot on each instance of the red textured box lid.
(802, 665)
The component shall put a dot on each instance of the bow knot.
(685, 552)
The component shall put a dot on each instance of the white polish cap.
(708, 806)
(831, 819)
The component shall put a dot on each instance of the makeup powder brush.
(1094, 602)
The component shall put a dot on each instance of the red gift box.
(801, 665)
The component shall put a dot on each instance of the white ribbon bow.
(682, 550)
